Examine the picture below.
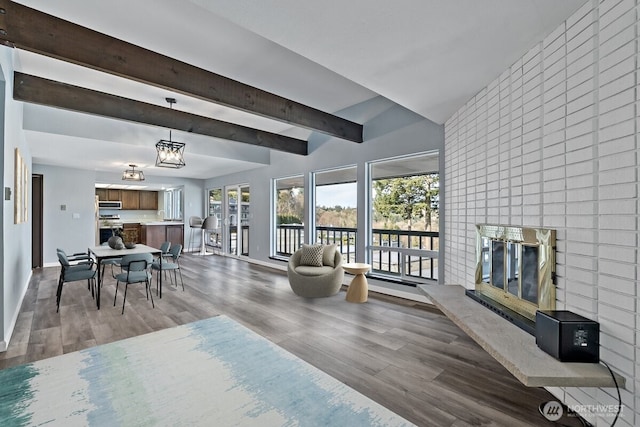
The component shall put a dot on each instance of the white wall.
(71, 228)
(16, 238)
(553, 142)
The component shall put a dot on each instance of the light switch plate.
(76, 216)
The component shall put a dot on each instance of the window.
(404, 217)
(336, 212)
(288, 205)
(173, 203)
(215, 203)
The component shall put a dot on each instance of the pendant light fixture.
(170, 153)
(133, 174)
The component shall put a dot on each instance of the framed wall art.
(21, 189)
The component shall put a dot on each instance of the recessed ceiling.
(429, 56)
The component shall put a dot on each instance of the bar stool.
(210, 225)
(195, 222)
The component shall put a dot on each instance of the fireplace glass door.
(530, 273)
(511, 267)
(497, 263)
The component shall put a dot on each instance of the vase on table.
(115, 241)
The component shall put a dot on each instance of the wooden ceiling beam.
(32, 30)
(37, 90)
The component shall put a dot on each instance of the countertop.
(105, 226)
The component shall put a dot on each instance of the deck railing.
(289, 238)
(232, 243)
(399, 254)
(405, 254)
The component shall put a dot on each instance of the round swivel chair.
(315, 282)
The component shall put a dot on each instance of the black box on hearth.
(567, 336)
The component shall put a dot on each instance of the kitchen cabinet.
(131, 232)
(175, 234)
(130, 199)
(113, 195)
(155, 234)
(102, 194)
(148, 200)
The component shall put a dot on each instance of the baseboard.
(387, 290)
(5, 343)
(382, 287)
(280, 267)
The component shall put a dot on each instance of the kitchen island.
(156, 232)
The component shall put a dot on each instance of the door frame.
(226, 222)
(37, 226)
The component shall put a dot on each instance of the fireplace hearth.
(515, 272)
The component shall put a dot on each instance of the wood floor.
(404, 355)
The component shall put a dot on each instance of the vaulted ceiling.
(429, 56)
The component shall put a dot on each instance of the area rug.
(213, 372)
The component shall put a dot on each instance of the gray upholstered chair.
(172, 263)
(110, 262)
(316, 281)
(164, 249)
(72, 273)
(136, 269)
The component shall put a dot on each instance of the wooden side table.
(358, 288)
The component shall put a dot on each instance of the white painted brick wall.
(553, 141)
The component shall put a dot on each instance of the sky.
(344, 195)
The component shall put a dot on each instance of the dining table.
(104, 252)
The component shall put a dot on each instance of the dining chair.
(74, 273)
(77, 256)
(136, 269)
(110, 262)
(164, 249)
(80, 260)
(173, 265)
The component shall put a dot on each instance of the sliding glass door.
(235, 224)
(214, 238)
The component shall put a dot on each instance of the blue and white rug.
(213, 372)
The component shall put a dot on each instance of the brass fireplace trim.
(542, 238)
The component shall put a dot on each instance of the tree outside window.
(407, 203)
(288, 204)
